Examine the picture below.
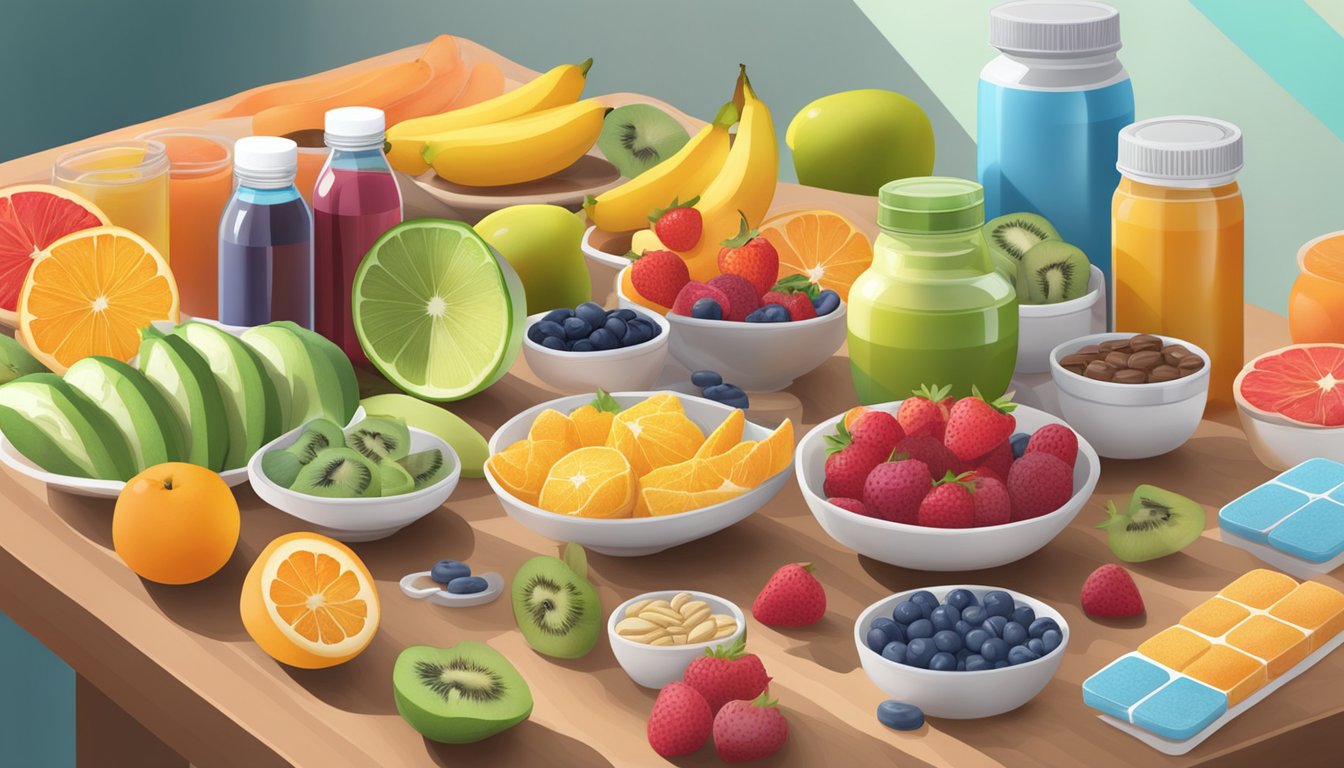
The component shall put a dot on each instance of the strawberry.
(741, 294)
(997, 462)
(799, 306)
(924, 413)
(680, 722)
(975, 426)
(725, 673)
(992, 505)
(932, 452)
(949, 504)
(848, 463)
(1038, 484)
(750, 730)
(692, 292)
(678, 226)
(1109, 592)
(791, 598)
(751, 256)
(895, 489)
(851, 505)
(878, 430)
(1055, 439)
(659, 276)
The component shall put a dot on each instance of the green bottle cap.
(928, 204)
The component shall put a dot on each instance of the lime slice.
(437, 311)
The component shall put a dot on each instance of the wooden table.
(167, 674)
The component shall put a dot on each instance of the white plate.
(438, 595)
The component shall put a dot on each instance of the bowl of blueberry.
(961, 651)
(581, 349)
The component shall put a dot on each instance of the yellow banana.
(681, 176)
(525, 148)
(560, 86)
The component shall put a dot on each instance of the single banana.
(681, 176)
(523, 149)
(560, 86)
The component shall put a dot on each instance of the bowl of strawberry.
(935, 483)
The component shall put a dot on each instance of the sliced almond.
(649, 637)
(635, 626)
(701, 632)
(725, 631)
(661, 619)
(657, 604)
(637, 606)
(691, 618)
(724, 620)
(664, 640)
(652, 611)
(681, 599)
(679, 639)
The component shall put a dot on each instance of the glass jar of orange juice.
(1316, 303)
(128, 180)
(1177, 239)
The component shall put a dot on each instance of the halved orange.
(90, 293)
(823, 245)
(309, 601)
(590, 482)
(724, 436)
(32, 217)
(551, 424)
(522, 467)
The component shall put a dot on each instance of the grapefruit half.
(32, 217)
(1303, 383)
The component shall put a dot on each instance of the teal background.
(73, 69)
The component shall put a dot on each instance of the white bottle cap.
(354, 127)
(1180, 151)
(1054, 28)
(266, 162)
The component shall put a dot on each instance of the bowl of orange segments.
(633, 473)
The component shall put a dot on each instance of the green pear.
(541, 242)
(856, 141)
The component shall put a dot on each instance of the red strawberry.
(992, 505)
(1055, 439)
(848, 463)
(975, 427)
(693, 292)
(791, 598)
(895, 489)
(949, 504)
(878, 430)
(1038, 484)
(741, 294)
(798, 304)
(851, 505)
(750, 730)
(680, 722)
(659, 276)
(932, 452)
(924, 414)
(997, 462)
(726, 673)
(751, 256)
(1109, 592)
(678, 226)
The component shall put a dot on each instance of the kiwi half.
(394, 480)
(556, 608)
(1158, 523)
(637, 137)
(1051, 272)
(426, 467)
(380, 438)
(283, 466)
(1011, 235)
(459, 694)
(339, 473)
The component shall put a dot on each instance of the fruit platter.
(537, 543)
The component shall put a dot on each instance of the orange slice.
(691, 484)
(724, 436)
(551, 424)
(823, 245)
(593, 425)
(768, 458)
(590, 482)
(522, 467)
(90, 293)
(310, 602)
(32, 217)
(653, 440)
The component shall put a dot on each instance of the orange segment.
(724, 436)
(590, 482)
(551, 424)
(768, 458)
(1231, 671)
(692, 484)
(1314, 607)
(1175, 647)
(656, 439)
(1277, 644)
(90, 293)
(822, 245)
(522, 467)
(1259, 588)
(593, 425)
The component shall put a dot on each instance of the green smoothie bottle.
(931, 309)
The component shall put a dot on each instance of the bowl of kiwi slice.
(360, 483)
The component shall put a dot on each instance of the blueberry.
(994, 625)
(633, 335)
(895, 651)
(922, 628)
(582, 345)
(548, 328)
(704, 379)
(604, 339)
(558, 316)
(1023, 615)
(960, 598)
(555, 342)
(918, 652)
(1037, 647)
(976, 638)
(1019, 442)
(1021, 654)
(826, 302)
(706, 309)
(718, 392)
(976, 663)
(893, 630)
(945, 617)
(651, 329)
(1051, 640)
(445, 571)
(961, 665)
(1014, 633)
(975, 614)
(999, 603)
(1038, 627)
(906, 612)
(877, 639)
(775, 313)
(737, 402)
(900, 716)
(625, 314)
(963, 628)
(925, 600)
(467, 585)
(616, 326)
(963, 654)
(757, 316)
(534, 333)
(946, 640)
(591, 313)
(994, 649)
(1001, 663)
(577, 328)
(943, 662)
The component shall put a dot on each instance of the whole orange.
(175, 523)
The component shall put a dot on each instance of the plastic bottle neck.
(266, 179)
(964, 251)
(354, 143)
(265, 195)
(1055, 73)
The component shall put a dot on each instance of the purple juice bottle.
(265, 238)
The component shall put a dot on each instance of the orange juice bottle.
(1177, 239)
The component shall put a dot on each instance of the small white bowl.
(1130, 421)
(1279, 442)
(1042, 327)
(625, 368)
(940, 549)
(356, 519)
(634, 536)
(960, 695)
(653, 666)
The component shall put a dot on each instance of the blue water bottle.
(1050, 112)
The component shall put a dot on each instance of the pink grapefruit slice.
(1303, 383)
(32, 217)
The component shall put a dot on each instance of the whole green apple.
(856, 141)
(541, 242)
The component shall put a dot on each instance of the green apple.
(138, 408)
(856, 141)
(183, 377)
(59, 429)
(541, 243)
(251, 405)
(305, 379)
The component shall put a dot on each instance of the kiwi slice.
(1053, 271)
(1158, 523)
(394, 479)
(282, 466)
(460, 694)
(339, 473)
(1011, 235)
(426, 467)
(380, 438)
(637, 137)
(556, 607)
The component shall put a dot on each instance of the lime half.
(437, 311)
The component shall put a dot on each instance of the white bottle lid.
(354, 127)
(265, 162)
(1054, 28)
(1180, 151)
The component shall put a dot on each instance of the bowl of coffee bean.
(1132, 396)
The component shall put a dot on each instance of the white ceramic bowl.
(1130, 421)
(961, 695)
(940, 549)
(604, 266)
(357, 519)
(633, 536)
(1281, 443)
(1042, 327)
(626, 368)
(653, 666)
